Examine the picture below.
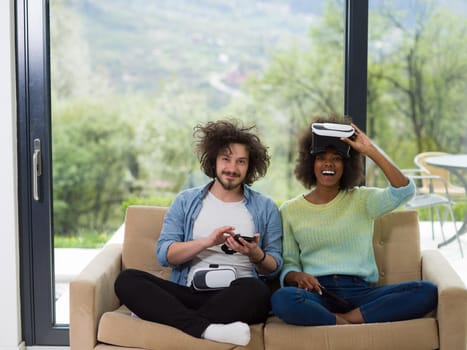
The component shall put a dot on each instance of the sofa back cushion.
(143, 225)
(396, 243)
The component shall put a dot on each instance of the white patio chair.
(433, 201)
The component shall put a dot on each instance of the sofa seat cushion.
(418, 334)
(120, 328)
(113, 347)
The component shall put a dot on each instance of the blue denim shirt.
(179, 220)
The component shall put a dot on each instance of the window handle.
(36, 168)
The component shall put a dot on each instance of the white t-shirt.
(216, 213)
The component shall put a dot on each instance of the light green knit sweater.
(337, 237)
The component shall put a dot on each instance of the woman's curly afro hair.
(304, 169)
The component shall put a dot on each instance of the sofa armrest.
(452, 300)
(92, 294)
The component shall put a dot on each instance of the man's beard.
(227, 185)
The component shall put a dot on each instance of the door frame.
(35, 216)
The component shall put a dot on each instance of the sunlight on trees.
(113, 139)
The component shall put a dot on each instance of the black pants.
(158, 300)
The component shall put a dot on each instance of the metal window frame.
(356, 56)
(33, 109)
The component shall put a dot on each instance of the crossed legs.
(367, 304)
(158, 300)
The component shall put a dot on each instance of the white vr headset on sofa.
(213, 278)
(329, 135)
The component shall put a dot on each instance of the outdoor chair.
(426, 197)
(438, 187)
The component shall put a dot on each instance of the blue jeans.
(385, 303)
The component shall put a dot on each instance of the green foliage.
(72, 73)
(300, 81)
(151, 201)
(418, 78)
(167, 150)
(83, 239)
(92, 156)
(458, 208)
(137, 144)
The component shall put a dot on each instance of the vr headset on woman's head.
(327, 135)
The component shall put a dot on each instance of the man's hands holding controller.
(181, 252)
(233, 242)
(239, 243)
(245, 245)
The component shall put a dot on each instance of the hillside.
(141, 44)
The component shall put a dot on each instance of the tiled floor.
(69, 262)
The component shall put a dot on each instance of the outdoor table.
(456, 164)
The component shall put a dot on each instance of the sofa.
(99, 322)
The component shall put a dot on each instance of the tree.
(416, 76)
(164, 125)
(72, 74)
(422, 74)
(92, 157)
(302, 82)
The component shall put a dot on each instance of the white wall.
(10, 322)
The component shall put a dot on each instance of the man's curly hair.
(216, 136)
(304, 169)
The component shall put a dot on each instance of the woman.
(329, 266)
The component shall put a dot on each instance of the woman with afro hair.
(329, 269)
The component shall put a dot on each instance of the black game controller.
(249, 239)
(334, 297)
(229, 251)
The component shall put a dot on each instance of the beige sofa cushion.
(119, 327)
(142, 228)
(418, 334)
(396, 243)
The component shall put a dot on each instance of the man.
(200, 231)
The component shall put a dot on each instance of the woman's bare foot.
(354, 316)
(340, 320)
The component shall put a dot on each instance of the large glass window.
(129, 80)
(417, 78)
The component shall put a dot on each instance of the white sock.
(237, 333)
